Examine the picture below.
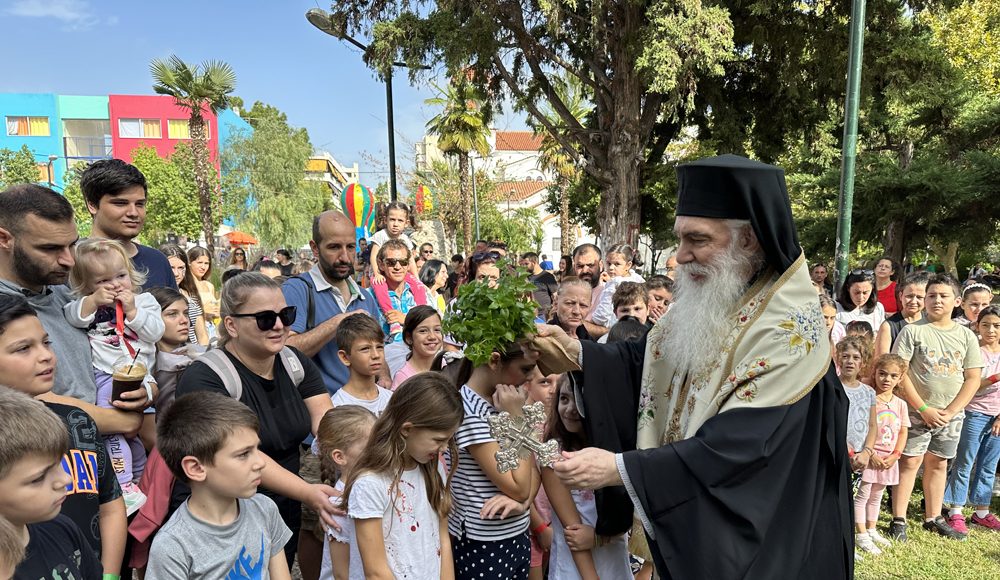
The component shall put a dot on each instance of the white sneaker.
(134, 498)
(864, 542)
(878, 538)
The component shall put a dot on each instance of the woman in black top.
(910, 296)
(253, 331)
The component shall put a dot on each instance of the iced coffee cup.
(126, 377)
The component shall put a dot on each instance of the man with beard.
(327, 294)
(37, 235)
(588, 267)
(725, 428)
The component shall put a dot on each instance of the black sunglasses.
(483, 256)
(860, 272)
(393, 262)
(267, 318)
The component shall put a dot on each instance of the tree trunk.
(465, 205)
(618, 211)
(566, 237)
(202, 165)
(895, 240)
(947, 255)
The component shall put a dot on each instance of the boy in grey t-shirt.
(225, 529)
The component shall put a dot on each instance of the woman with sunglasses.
(254, 328)
(238, 260)
(857, 300)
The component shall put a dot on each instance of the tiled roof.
(518, 141)
(518, 190)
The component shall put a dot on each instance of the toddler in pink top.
(891, 423)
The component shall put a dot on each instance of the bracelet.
(922, 408)
(111, 577)
(897, 454)
(850, 452)
(541, 528)
(994, 378)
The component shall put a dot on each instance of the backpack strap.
(310, 302)
(292, 364)
(219, 362)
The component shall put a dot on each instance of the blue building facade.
(33, 119)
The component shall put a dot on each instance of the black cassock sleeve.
(755, 493)
(611, 377)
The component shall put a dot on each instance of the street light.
(321, 19)
(52, 159)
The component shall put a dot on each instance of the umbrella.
(238, 238)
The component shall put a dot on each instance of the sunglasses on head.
(861, 272)
(393, 262)
(483, 256)
(267, 318)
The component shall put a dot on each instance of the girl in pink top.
(891, 423)
(422, 333)
(975, 466)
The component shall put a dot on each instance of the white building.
(322, 166)
(514, 162)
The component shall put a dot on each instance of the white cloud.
(72, 13)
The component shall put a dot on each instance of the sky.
(100, 47)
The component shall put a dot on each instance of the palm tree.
(462, 127)
(554, 157)
(196, 88)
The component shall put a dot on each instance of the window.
(28, 126)
(139, 128)
(178, 129)
(556, 245)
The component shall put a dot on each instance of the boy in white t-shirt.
(362, 350)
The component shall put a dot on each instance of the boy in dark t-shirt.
(33, 487)
(93, 501)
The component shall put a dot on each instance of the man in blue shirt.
(327, 294)
(115, 193)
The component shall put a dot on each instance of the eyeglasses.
(267, 318)
(483, 256)
(860, 272)
(393, 262)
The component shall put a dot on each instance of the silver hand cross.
(522, 436)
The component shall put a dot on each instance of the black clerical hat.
(734, 187)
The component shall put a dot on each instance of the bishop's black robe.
(757, 493)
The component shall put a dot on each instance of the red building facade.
(155, 121)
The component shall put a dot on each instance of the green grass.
(929, 556)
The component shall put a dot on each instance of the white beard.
(701, 315)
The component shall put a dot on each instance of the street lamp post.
(321, 20)
(52, 179)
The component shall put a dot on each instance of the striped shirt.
(470, 487)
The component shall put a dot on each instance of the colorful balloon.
(423, 200)
(358, 205)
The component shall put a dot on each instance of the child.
(910, 297)
(481, 490)
(422, 333)
(858, 300)
(28, 365)
(225, 529)
(660, 291)
(342, 435)
(396, 216)
(630, 300)
(32, 490)
(174, 352)
(576, 552)
(396, 494)
(974, 469)
(975, 297)
(362, 346)
(618, 262)
(540, 389)
(853, 354)
(11, 548)
(891, 425)
(123, 326)
(835, 329)
(945, 367)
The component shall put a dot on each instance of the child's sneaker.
(134, 498)
(957, 523)
(897, 530)
(939, 526)
(864, 541)
(878, 538)
(990, 522)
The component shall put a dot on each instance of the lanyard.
(120, 330)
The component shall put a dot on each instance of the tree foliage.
(264, 181)
(520, 229)
(443, 179)
(17, 167)
(968, 35)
